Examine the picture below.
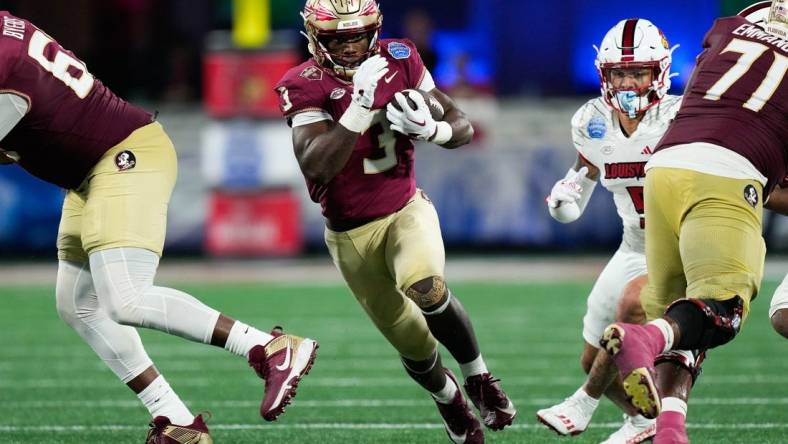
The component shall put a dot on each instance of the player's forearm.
(461, 129)
(326, 154)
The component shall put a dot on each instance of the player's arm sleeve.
(301, 105)
(427, 83)
(419, 76)
(12, 108)
(579, 140)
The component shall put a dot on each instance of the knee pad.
(432, 299)
(690, 360)
(706, 323)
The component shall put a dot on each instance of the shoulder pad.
(592, 120)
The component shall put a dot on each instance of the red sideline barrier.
(260, 223)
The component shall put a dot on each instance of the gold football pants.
(703, 238)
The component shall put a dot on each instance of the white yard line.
(358, 426)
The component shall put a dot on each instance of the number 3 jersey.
(70, 119)
(737, 99)
(621, 160)
(378, 178)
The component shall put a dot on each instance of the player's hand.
(415, 123)
(8, 157)
(567, 190)
(366, 78)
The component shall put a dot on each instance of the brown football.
(436, 109)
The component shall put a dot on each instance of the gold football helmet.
(329, 19)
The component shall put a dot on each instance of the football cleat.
(282, 362)
(636, 429)
(460, 422)
(162, 431)
(634, 348)
(496, 409)
(570, 417)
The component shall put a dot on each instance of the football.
(436, 109)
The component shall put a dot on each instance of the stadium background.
(241, 223)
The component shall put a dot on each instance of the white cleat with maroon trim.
(570, 417)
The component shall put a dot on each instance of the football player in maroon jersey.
(704, 197)
(118, 165)
(356, 154)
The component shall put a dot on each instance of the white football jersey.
(621, 160)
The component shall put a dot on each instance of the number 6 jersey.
(378, 178)
(737, 99)
(598, 138)
(69, 119)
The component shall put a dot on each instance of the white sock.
(667, 332)
(243, 337)
(473, 368)
(446, 394)
(672, 404)
(585, 398)
(161, 400)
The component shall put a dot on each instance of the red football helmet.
(329, 19)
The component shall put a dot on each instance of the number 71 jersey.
(378, 179)
(738, 97)
(72, 119)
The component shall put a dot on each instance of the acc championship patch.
(399, 50)
(751, 195)
(597, 128)
(125, 160)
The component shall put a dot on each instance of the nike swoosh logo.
(286, 363)
(453, 436)
(389, 78)
(422, 123)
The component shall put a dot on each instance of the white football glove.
(415, 123)
(358, 116)
(365, 80)
(567, 190)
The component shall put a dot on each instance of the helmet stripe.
(628, 41)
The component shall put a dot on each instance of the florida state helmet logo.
(751, 195)
(125, 160)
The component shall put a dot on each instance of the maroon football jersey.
(72, 118)
(378, 179)
(738, 97)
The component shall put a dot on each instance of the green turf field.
(54, 390)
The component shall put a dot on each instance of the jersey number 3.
(62, 66)
(385, 156)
